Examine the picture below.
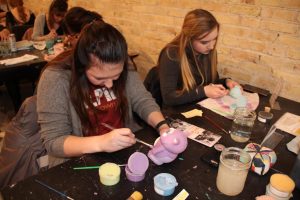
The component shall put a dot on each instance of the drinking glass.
(243, 121)
(233, 170)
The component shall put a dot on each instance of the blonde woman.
(188, 64)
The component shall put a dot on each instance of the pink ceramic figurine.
(168, 146)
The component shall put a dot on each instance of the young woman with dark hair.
(74, 21)
(88, 86)
(188, 64)
(49, 26)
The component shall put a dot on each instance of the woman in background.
(17, 16)
(188, 64)
(82, 90)
(75, 19)
(48, 27)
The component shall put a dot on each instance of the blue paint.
(164, 184)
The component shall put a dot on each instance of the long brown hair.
(196, 23)
(76, 18)
(57, 7)
(109, 46)
(20, 8)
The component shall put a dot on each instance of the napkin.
(12, 61)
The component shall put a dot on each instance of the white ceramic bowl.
(39, 45)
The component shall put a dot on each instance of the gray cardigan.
(39, 23)
(58, 118)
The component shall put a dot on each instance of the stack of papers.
(24, 44)
(13, 61)
(289, 123)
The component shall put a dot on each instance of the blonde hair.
(196, 23)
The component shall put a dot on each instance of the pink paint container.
(136, 167)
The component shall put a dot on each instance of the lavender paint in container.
(136, 167)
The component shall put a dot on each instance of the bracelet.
(160, 124)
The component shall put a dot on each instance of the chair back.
(152, 84)
(22, 146)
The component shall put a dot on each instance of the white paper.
(24, 58)
(223, 106)
(196, 133)
(289, 123)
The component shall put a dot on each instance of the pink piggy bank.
(168, 146)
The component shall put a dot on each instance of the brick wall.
(259, 41)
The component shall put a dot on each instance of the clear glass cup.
(233, 171)
(243, 121)
(4, 48)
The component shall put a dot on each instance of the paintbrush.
(138, 140)
(54, 190)
(93, 167)
(215, 124)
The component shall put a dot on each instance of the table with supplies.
(194, 173)
(25, 64)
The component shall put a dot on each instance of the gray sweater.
(39, 24)
(58, 118)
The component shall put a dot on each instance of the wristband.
(160, 124)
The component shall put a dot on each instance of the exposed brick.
(279, 26)
(259, 40)
(245, 10)
(279, 14)
(294, 54)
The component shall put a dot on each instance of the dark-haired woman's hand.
(215, 91)
(117, 139)
(4, 34)
(52, 35)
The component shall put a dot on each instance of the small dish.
(39, 45)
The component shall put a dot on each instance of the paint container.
(136, 195)
(136, 167)
(164, 184)
(109, 174)
(280, 187)
(264, 117)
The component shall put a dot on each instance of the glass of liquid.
(242, 124)
(233, 171)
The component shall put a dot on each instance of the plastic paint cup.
(164, 184)
(136, 167)
(109, 174)
(264, 117)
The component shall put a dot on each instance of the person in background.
(47, 27)
(188, 64)
(3, 10)
(74, 21)
(18, 15)
(83, 88)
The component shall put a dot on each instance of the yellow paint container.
(109, 174)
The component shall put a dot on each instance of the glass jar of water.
(233, 171)
(242, 124)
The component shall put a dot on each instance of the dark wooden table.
(192, 174)
(11, 75)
